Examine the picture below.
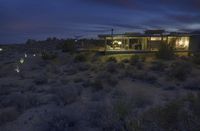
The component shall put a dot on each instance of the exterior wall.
(194, 43)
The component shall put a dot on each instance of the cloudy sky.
(39, 19)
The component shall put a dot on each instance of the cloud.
(22, 19)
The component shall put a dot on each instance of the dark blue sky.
(39, 19)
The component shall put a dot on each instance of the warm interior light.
(117, 42)
(182, 42)
(156, 38)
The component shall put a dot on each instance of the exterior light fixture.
(17, 69)
(25, 55)
(34, 55)
(1, 49)
(21, 61)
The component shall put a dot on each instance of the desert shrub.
(125, 61)
(139, 65)
(180, 114)
(166, 52)
(179, 70)
(64, 81)
(122, 109)
(108, 78)
(87, 83)
(111, 59)
(71, 71)
(40, 80)
(192, 85)
(22, 101)
(67, 95)
(146, 77)
(83, 66)
(78, 80)
(141, 99)
(4, 90)
(80, 58)
(158, 66)
(97, 85)
(8, 114)
(112, 67)
(68, 46)
(170, 88)
(60, 122)
(112, 80)
(134, 59)
(196, 58)
(48, 55)
(129, 71)
(121, 65)
(166, 117)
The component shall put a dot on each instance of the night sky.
(39, 19)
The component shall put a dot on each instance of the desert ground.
(89, 91)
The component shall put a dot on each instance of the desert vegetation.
(60, 89)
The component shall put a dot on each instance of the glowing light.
(156, 38)
(17, 69)
(117, 42)
(25, 55)
(1, 49)
(21, 61)
(34, 55)
(182, 42)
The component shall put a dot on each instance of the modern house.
(151, 40)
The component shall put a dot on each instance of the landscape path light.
(25, 55)
(17, 69)
(21, 61)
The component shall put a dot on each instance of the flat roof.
(144, 35)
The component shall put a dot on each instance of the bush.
(158, 66)
(59, 122)
(40, 80)
(112, 80)
(122, 109)
(80, 58)
(149, 78)
(134, 59)
(179, 70)
(166, 52)
(112, 67)
(97, 85)
(48, 55)
(166, 117)
(181, 114)
(111, 59)
(7, 115)
(192, 85)
(68, 46)
(66, 95)
(196, 58)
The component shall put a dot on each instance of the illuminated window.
(156, 38)
(182, 42)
